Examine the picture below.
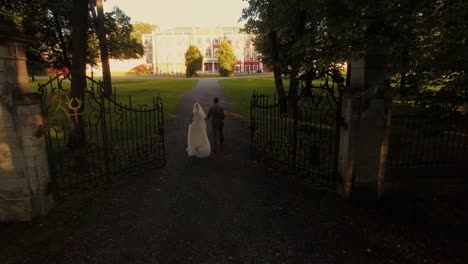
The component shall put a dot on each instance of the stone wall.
(24, 173)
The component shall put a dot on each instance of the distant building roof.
(201, 30)
(182, 29)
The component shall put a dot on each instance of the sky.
(175, 13)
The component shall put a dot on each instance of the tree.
(420, 41)
(97, 12)
(287, 35)
(140, 28)
(423, 39)
(118, 31)
(226, 58)
(78, 70)
(37, 65)
(260, 16)
(437, 57)
(48, 23)
(193, 61)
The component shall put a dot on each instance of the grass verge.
(143, 90)
(240, 91)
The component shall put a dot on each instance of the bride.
(197, 139)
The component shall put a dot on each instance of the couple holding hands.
(198, 143)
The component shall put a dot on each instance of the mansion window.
(208, 53)
(255, 55)
(247, 54)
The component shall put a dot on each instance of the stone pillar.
(364, 138)
(24, 173)
(348, 135)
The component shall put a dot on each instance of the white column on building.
(155, 51)
(242, 63)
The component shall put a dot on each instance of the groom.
(216, 113)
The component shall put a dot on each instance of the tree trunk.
(78, 72)
(309, 76)
(100, 29)
(404, 71)
(348, 76)
(273, 38)
(299, 29)
(293, 91)
(63, 44)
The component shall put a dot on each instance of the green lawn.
(143, 90)
(240, 91)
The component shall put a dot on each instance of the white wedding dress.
(197, 139)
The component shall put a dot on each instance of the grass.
(182, 75)
(150, 74)
(240, 91)
(143, 90)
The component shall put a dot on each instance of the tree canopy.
(70, 34)
(226, 58)
(48, 24)
(424, 40)
(122, 45)
(140, 28)
(193, 61)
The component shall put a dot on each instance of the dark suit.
(216, 113)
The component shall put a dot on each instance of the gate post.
(24, 172)
(364, 139)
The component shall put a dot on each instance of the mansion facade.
(165, 51)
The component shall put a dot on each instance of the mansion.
(165, 50)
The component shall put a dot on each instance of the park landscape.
(324, 161)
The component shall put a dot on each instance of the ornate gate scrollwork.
(304, 140)
(120, 139)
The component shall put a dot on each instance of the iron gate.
(302, 136)
(427, 142)
(120, 138)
